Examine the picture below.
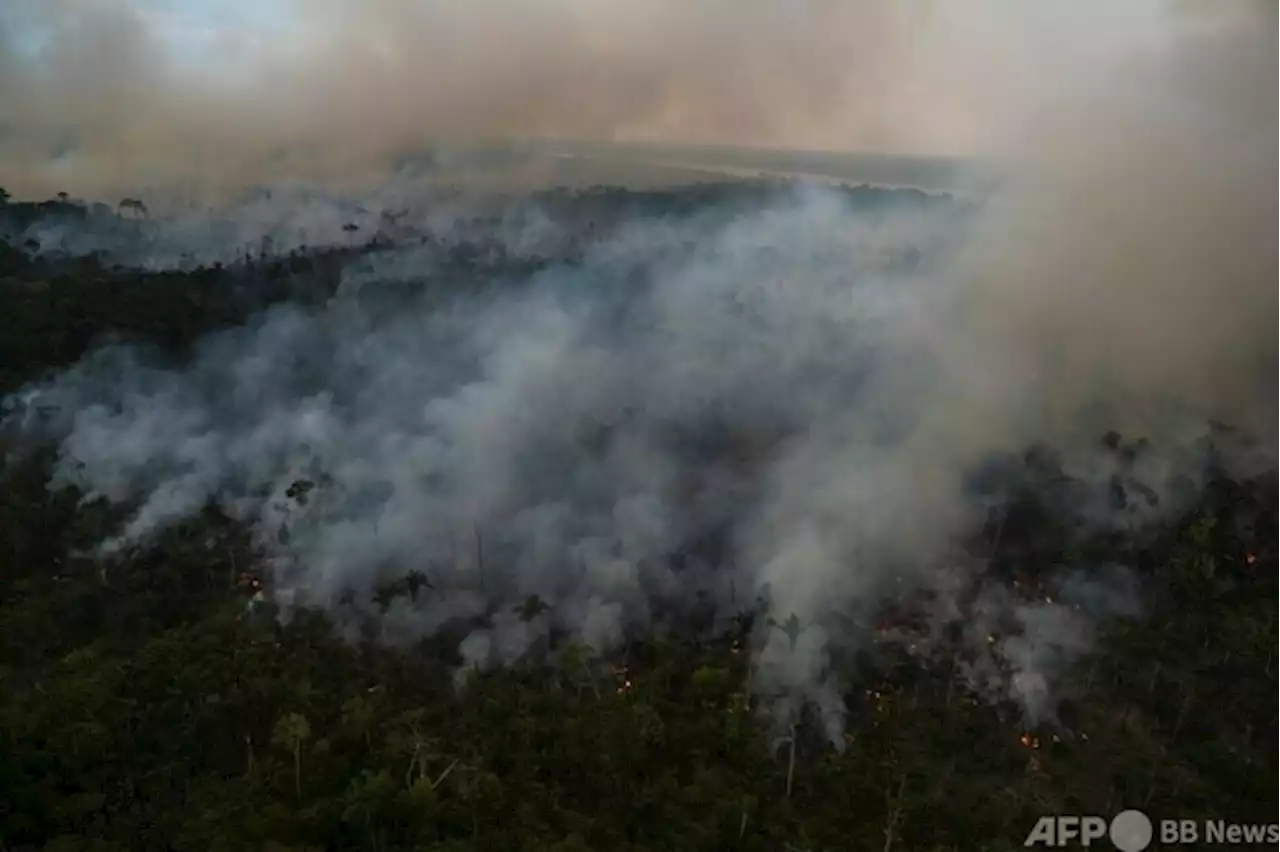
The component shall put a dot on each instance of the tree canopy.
(150, 705)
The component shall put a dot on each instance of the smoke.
(268, 223)
(1136, 250)
(765, 398)
(113, 97)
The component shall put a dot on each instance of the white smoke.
(773, 386)
(566, 438)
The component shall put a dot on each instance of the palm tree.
(133, 204)
(532, 607)
(791, 628)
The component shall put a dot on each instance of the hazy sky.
(197, 29)
(105, 92)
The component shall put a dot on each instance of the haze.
(106, 96)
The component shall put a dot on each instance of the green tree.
(358, 716)
(289, 734)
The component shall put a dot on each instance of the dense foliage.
(145, 705)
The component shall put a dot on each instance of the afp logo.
(1129, 831)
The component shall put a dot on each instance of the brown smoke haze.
(1134, 237)
(346, 85)
(1137, 255)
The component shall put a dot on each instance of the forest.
(163, 699)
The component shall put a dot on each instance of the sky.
(146, 91)
(195, 29)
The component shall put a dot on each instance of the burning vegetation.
(579, 668)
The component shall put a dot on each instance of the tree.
(791, 628)
(358, 715)
(291, 731)
(366, 799)
(133, 204)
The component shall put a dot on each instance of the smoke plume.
(765, 396)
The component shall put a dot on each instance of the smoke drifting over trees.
(774, 395)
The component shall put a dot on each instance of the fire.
(1251, 559)
(1029, 740)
